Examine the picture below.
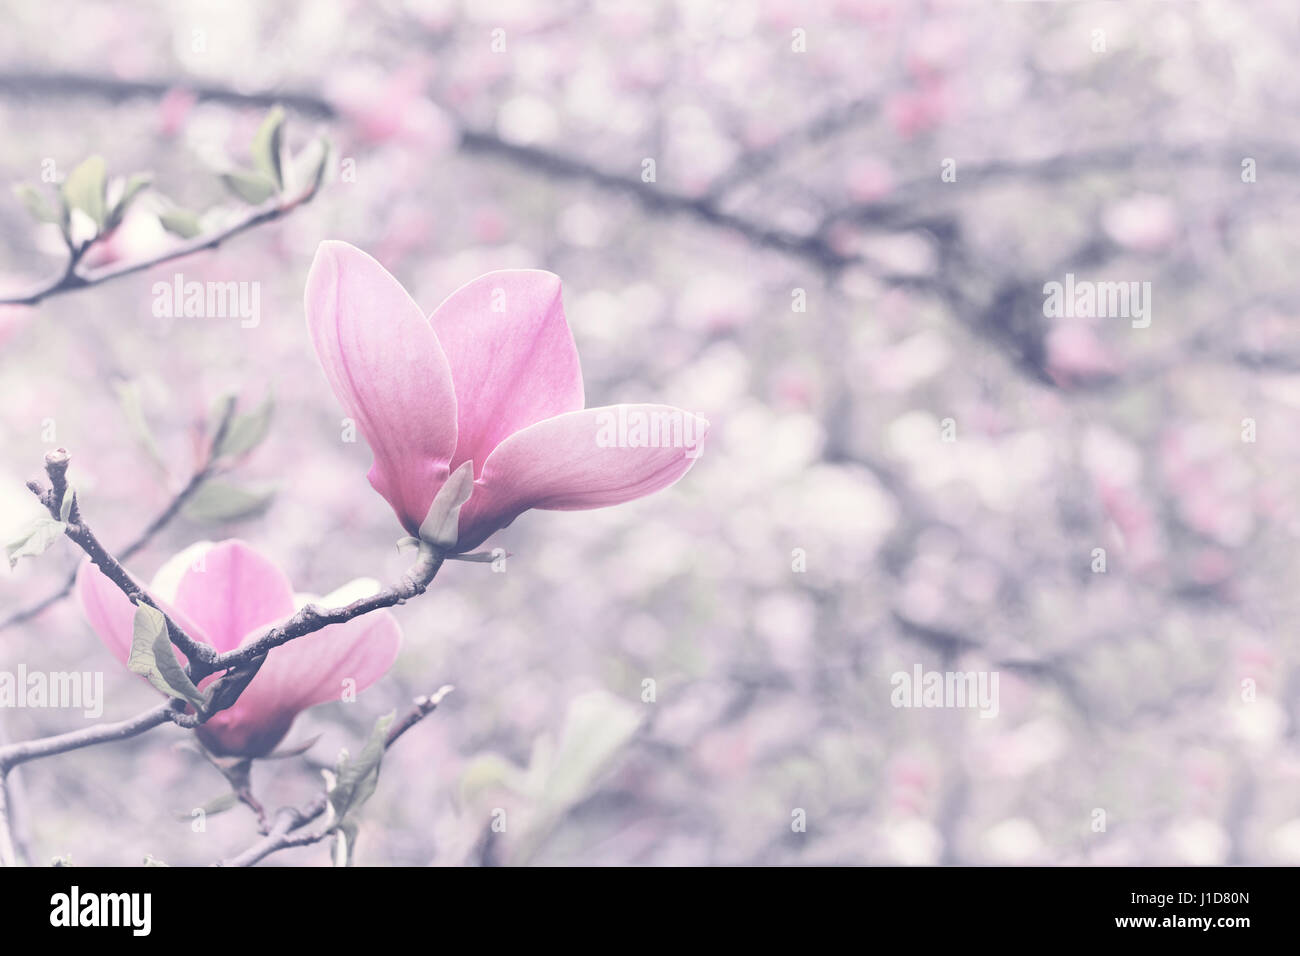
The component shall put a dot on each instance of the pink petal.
(112, 615)
(580, 460)
(388, 372)
(512, 357)
(233, 591)
(301, 674)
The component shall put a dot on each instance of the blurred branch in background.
(209, 466)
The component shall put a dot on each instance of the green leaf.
(441, 525)
(180, 222)
(306, 171)
(131, 398)
(38, 204)
(34, 539)
(221, 500)
(152, 656)
(355, 780)
(267, 146)
(65, 506)
(253, 188)
(246, 431)
(135, 184)
(486, 772)
(84, 189)
(596, 727)
(151, 860)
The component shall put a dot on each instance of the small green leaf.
(355, 780)
(441, 525)
(152, 656)
(34, 539)
(151, 860)
(267, 146)
(84, 189)
(306, 171)
(38, 204)
(246, 431)
(180, 222)
(131, 397)
(253, 188)
(134, 185)
(65, 506)
(220, 500)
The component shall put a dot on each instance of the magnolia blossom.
(480, 405)
(226, 594)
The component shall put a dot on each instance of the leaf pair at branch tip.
(86, 197)
(275, 171)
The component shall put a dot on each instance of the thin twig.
(205, 470)
(72, 279)
(240, 666)
(286, 829)
(56, 466)
(11, 755)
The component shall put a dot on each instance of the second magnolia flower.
(486, 389)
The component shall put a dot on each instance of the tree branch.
(72, 279)
(56, 466)
(11, 755)
(240, 665)
(205, 470)
(286, 829)
(312, 618)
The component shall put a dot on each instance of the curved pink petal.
(512, 357)
(303, 673)
(112, 615)
(585, 459)
(389, 373)
(231, 591)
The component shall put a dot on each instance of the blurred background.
(827, 228)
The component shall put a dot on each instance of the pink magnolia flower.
(225, 594)
(482, 400)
